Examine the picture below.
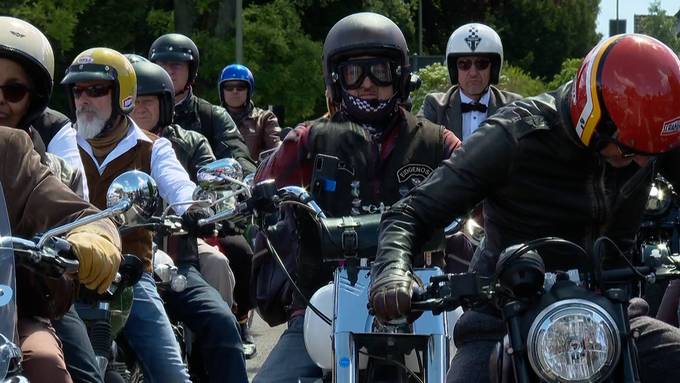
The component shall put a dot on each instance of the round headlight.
(573, 340)
(660, 197)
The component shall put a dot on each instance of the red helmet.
(627, 90)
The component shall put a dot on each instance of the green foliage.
(515, 79)
(285, 61)
(58, 21)
(660, 25)
(566, 74)
(435, 78)
(160, 20)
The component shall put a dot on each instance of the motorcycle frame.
(348, 330)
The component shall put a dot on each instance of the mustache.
(86, 109)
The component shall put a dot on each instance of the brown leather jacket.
(260, 129)
(37, 200)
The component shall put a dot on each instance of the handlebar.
(53, 260)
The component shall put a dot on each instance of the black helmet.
(365, 33)
(176, 47)
(153, 80)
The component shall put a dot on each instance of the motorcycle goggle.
(353, 73)
(93, 91)
(14, 92)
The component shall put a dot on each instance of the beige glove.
(99, 257)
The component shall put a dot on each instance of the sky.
(628, 8)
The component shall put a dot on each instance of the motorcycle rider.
(474, 58)
(261, 130)
(384, 151)
(179, 56)
(26, 72)
(27, 65)
(153, 112)
(102, 86)
(259, 127)
(574, 163)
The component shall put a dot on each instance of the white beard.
(89, 126)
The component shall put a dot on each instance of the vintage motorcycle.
(48, 254)
(341, 336)
(105, 314)
(562, 326)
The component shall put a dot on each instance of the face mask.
(373, 112)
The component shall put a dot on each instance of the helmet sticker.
(473, 38)
(591, 113)
(85, 60)
(671, 127)
(127, 102)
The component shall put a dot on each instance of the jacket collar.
(128, 142)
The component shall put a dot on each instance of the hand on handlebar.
(99, 259)
(390, 292)
(191, 217)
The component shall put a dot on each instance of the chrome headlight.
(660, 197)
(573, 340)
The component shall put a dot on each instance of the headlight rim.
(554, 308)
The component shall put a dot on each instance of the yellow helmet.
(105, 64)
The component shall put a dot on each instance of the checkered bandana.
(373, 112)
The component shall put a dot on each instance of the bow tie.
(466, 107)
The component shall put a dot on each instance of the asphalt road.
(265, 339)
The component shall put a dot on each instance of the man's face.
(474, 73)
(367, 89)
(93, 106)
(179, 73)
(614, 155)
(146, 112)
(235, 93)
(15, 96)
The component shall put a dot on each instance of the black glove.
(390, 291)
(230, 228)
(193, 215)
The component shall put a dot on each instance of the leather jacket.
(444, 108)
(259, 127)
(536, 180)
(192, 148)
(214, 123)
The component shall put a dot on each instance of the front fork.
(518, 350)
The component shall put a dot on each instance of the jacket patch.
(414, 172)
(671, 127)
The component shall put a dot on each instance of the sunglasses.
(628, 152)
(93, 91)
(237, 88)
(353, 73)
(14, 92)
(480, 64)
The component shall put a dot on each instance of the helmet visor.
(353, 73)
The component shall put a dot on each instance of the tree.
(537, 35)
(661, 26)
(286, 62)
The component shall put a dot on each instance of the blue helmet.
(236, 72)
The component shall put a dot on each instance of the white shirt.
(471, 120)
(173, 181)
(64, 144)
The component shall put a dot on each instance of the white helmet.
(474, 39)
(22, 42)
(318, 333)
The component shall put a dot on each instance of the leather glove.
(99, 257)
(390, 292)
(193, 215)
